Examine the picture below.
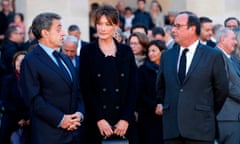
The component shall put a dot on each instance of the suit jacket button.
(116, 90)
(104, 107)
(122, 75)
(104, 89)
(117, 107)
(98, 75)
(181, 90)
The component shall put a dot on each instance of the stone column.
(71, 11)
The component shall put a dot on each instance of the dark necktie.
(63, 69)
(182, 66)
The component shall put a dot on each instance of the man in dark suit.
(228, 117)
(51, 87)
(74, 30)
(192, 86)
(206, 32)
(70, 49)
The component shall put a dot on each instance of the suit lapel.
(196, 58)
(43, 56)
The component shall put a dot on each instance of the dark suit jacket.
(50, 96)
(231, 107)
(190, 108)
(211, 43)
(108, 89)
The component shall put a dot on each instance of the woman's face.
(18, 62)
(105, 28)
(137, 48)
(154, 54)
(17, 19)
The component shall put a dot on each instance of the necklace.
(108, 50)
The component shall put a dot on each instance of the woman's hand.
(121, 128)
(105, 128)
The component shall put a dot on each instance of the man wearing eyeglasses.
(192, 85)
(14, 37)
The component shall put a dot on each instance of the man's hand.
(159, 110)
(71, 122)
(105, 128)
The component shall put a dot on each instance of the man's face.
(141, 5)
(232, 24)
(70, 49)
(55, 36)
(17, 36)
(229, 42)
(180, 29)
(206, 31)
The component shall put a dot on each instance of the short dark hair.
(193, 20)
(142, 0)
(159, 43)
(231, 18)
(43, 21)
(158, 30)
(138, 25)
(109, 11)
(73, 28)
(205, 20)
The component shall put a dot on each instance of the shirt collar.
(192, 48)
(47, 49)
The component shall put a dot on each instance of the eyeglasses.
(178, 26)
(134, 43)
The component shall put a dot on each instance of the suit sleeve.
(32, 88)
(220, 83)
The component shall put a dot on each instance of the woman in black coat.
(108, 82)
(15, 114)
(149, 111)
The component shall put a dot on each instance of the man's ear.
(44, 33)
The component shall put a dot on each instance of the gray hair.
(222, 32)
(70, 38)
(43, 21)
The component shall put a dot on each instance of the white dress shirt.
(189, 55)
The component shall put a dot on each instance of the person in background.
(235, 55)
(16, 113)
(141, 16)
(92, 30)
(108, 82)
(231, 22)
(138, 42)
(215, 29)
(120, 6)
(128, 15)
(50, 83)
(148, 105)
(169, 36)
(139, 28)
(10, 46)
(157, 14)
(192, 85)
(228, 117)
(170, 17)
(6, 17)
(19, 21)
(69, 48)
(31, 40)
(74, 30)
(206, 32)
(158, 33)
